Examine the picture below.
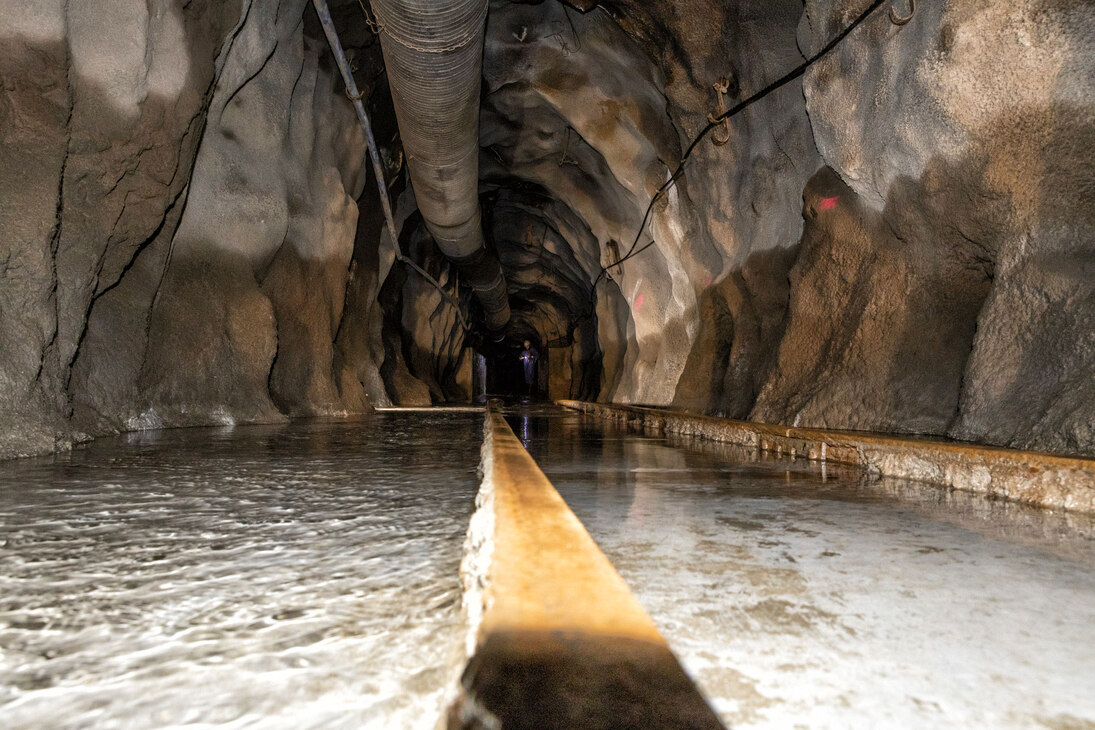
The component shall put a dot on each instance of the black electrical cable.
(741, 106)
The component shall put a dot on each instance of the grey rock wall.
(178, 220)
(902, 241)
(96, 142)
(595, 109)
(899, 241)
(246, 316)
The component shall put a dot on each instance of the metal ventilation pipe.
(433, 51)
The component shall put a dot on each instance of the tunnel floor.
(803, 596)
(307, 576)
(292, 577)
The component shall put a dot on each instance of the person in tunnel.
(529, 356)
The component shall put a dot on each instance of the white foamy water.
(802, 598)
(304, 576)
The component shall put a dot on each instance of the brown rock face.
(178, 220)
(97, 142)
(879, 326)
(899, 240)
(984, 205)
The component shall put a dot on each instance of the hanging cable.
(354, 95)
(715, 121)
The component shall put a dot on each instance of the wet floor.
(261, 577)
(806, 597)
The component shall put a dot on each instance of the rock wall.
(945, 284)
(900, 240)
(178, 220)
(592, 112)
(97, 140)
(244, 321)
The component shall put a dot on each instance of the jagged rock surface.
(97, 143)
(956, 262)
(147, 283)
(901, 240)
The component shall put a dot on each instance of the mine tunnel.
(547, 364)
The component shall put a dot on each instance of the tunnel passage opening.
(438, 344)
(501, 370)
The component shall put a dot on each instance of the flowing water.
(269, 577)
(803, 596)
(307, 576)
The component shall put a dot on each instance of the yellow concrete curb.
(1046, 480)
(562, 641)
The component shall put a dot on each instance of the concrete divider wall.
(559, 639)
(1046, 480)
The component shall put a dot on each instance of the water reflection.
(524, 421)
(292, 576)
(825, 599)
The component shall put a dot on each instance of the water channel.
(805, 596)
(307, 576)
(301, 576)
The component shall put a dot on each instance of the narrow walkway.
(563, 642)
(1047, 480)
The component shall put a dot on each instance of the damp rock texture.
(945, 280)
(900, 239)
(178, 217)
(247, 313)
(585, 116)
(97, 143)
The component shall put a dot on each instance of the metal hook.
(897, 19)
(721, 87)
(564, 160)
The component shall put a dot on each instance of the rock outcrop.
(98, 141)
(901, 239)
(179, 220)
(954, 254)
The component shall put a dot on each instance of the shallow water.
(268, 577)
(806, 597)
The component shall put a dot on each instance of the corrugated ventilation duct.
(433, 52)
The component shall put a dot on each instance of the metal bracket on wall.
(721, 87)
(565, 160)
(559, 34)
(901, 20)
